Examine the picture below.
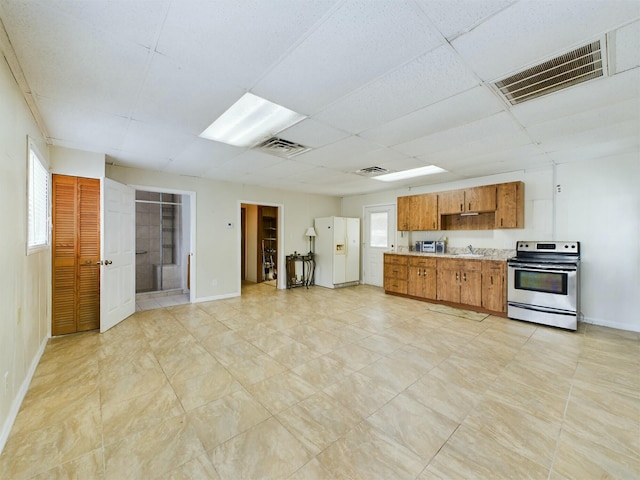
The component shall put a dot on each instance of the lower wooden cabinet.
(471, 283)
(460, 281)
(395, 273)
(422, 277)
(494, 286)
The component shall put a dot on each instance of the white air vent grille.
(577, 66)
(281, 147)
(372, 171)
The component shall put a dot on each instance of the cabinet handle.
(464, 277)
(457, 276)
(501, 221)
(491, 279)
(395, 271)
(418, 272)
(469, 206)
(461, 207)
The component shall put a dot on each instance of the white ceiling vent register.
(371, 171)
(580, 65)
(281, 147)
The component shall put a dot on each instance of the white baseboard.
(17, 402)
(217, 297)
(631, 327)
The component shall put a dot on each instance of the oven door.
(549, 286)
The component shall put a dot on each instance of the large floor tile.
(267, 450)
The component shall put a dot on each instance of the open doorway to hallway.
(260, 238)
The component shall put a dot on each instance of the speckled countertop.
(487, 254)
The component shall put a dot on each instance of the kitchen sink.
(470, 255)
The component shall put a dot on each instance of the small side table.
(308, 270)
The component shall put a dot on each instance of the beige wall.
(25, 280)
(217, 255)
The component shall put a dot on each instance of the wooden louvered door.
(76, 252)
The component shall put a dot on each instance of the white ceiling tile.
(586, 121)
(453, 17)
(250, 161)
(179, 97)
(156, 142)
(500, 123)
(312, 133)
(286, 168)
(429, 78)
(202, 155)
(338, 152)
(607, 147)
(72, 62)
(346, 51)
(462, 108)
(626, 47)
(96, 130)
(132, 160)
(531, 31)
(238, 39)
(595, 94)
(133, 21)
(598, 135)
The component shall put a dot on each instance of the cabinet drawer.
(460, 265)
(391, 259)
(395, 285)
(422, 262)
(491, 266)
(395, 271)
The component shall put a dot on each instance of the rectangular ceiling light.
(250, 120)
(414, 172)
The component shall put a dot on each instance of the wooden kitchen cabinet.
(493, 286)
(510, 205)
(418, 212)
(451, 202)
(459, 281)
(395, 273)
(422, 277)
(403, 207)
(469, 200)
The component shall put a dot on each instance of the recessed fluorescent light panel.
(414, 172)
(250, 120)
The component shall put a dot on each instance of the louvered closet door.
(88, 254)
(76, 249)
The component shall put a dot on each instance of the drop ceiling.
(388, 83)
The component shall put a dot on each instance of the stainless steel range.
(544, 283)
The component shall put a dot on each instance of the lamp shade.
(311, 232)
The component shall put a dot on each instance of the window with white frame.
(38, 202)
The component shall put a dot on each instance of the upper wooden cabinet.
(510, 211)
(469, 200)
(418, 212)
(478, 208)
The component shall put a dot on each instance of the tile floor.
(322, 384)
(155, 300)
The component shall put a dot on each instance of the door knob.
(104, 262)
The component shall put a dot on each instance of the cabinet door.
(471, 288)
(451, 202)
(448, 285)
(424, 212)
(404, 213)
(493, 287)
(429, 279)
(415, 284)
(480, 199)
(510, 203)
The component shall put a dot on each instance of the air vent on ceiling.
(582, 64)
(281, 147)
(372, 171)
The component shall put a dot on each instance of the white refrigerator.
(337, 252)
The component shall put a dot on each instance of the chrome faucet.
(470, 247)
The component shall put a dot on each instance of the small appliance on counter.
(426, 246)
(430, 246)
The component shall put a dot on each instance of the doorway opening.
(259, 238)
(163, 245)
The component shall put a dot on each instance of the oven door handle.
(544, 268)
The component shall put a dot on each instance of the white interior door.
(117, 270)
(379, 234)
